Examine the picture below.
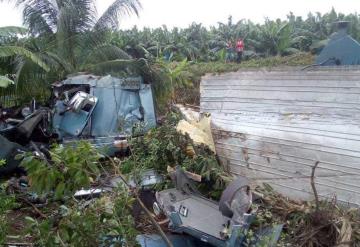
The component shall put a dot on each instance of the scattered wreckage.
(105, 111)
(194, 220)
(102, 110)
(268, 126)
(223, 224)
(190, 218)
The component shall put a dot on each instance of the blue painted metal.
(146, 99)
(342, 49)
(238, 232)
(263, 237)
(177, 241)
(123, 103)
(70, 123)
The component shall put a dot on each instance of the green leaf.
(2, 162)
(110, 18)
(11, 30)
(59, 191)
(5, 82)
(8, 51)
(19, 156)
(30, 220)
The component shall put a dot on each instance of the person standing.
(239, 50)
(229, 51)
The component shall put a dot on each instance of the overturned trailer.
(274, 126)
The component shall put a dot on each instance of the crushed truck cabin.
(274, 126)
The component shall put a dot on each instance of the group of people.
(231, 49)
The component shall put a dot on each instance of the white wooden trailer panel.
(273, 126)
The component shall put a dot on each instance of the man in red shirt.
(239, 50)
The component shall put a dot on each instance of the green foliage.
(164, 146)
(303, 224)
(194, 72)
(70, 169)
(2, 162)
(7, 202)
(105, 222)
(6, 51)
(199, 69)
(199, 44)
(3, 229)
(5, 81)
(12, 30)
(180, 81)
(170, 77)
(65, 37)
(13, 52)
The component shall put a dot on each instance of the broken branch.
(317, 203)
(34, 207)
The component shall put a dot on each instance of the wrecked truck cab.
(103, 110)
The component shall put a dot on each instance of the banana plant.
(13, 50)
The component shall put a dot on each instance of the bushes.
(164, 146)
(69, 169)
(191, 93)
(304, 225)
(7, 202)
(180, 81)
(104, 222)
(98, 222)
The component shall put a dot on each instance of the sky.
(182, 13)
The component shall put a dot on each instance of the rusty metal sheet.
(273, 126)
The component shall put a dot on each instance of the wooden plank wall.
(273, 126)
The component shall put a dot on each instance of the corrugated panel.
(273, 126)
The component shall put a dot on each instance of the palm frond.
(12, 30)
(126, 65)
(88, 42)
(30, 80)
(82, 15)
(68, 68)
(39, 21)
(7, 51)
(49, 10)
(75, 18)
(110, 18)
(105, 53)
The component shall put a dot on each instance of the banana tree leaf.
(11, 30)
(5, 82)
(7, 51)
